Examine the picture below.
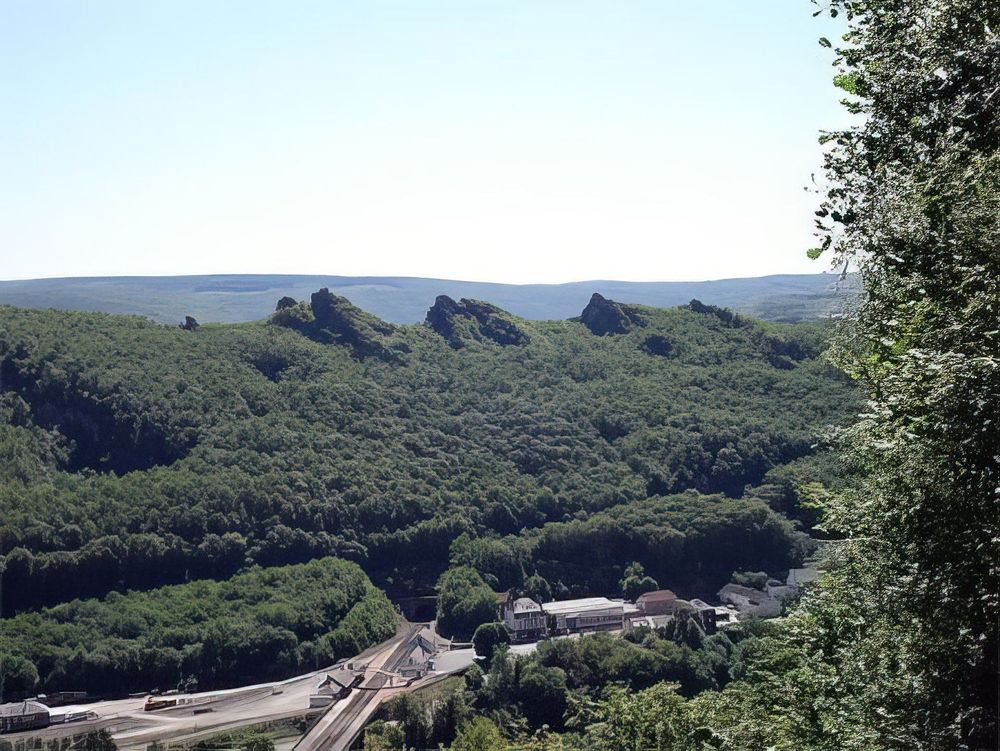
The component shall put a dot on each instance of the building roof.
(651, 621)
(18, 708)
(754, 595)
(426, 645)
(659, 595)
(341, 676)
(526, 605)
(575, 606)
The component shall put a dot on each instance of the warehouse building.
(23, 715)
(587, 614)
(750, 602)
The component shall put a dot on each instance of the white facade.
(587, 614)
(649, 621)
(524, 619)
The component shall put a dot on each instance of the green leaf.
(825, 42)
(814, 253)
(846, 81)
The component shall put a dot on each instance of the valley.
(219, 506)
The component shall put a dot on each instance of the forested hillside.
(692, 541)
(136, 455)
(265, 624)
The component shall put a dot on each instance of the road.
(210, 712)
(345, 719)
(214, 712)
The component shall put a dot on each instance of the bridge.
(345, 720)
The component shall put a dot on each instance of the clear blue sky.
(517, 141)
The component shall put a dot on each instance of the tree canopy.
(264, 624)
(913, 202)
(465, 603)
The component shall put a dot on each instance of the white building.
(648, 621)
(749, 601)
(524, 619)
(587, 614)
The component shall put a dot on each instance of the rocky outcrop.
(603, 316)
(467, 319)
(725, 315)
(336, 320)
(340, 315)
(441, 318)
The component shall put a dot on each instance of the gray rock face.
(603, 316)
(473, 319)
(335, 320)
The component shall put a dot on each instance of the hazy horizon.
(292, 274)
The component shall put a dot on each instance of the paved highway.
(208, 713)
(213, 712)
(347, 718)
(344, 720)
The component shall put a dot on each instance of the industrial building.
(587, 614)
(652, 622)
(661, 609)
(749, 601)
(23, 715)
(658, 602)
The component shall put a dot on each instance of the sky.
(517, 141)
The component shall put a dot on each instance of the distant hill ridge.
(234, 298)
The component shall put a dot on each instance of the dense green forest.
(691, 540)
(261, 625)
(135, 455)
